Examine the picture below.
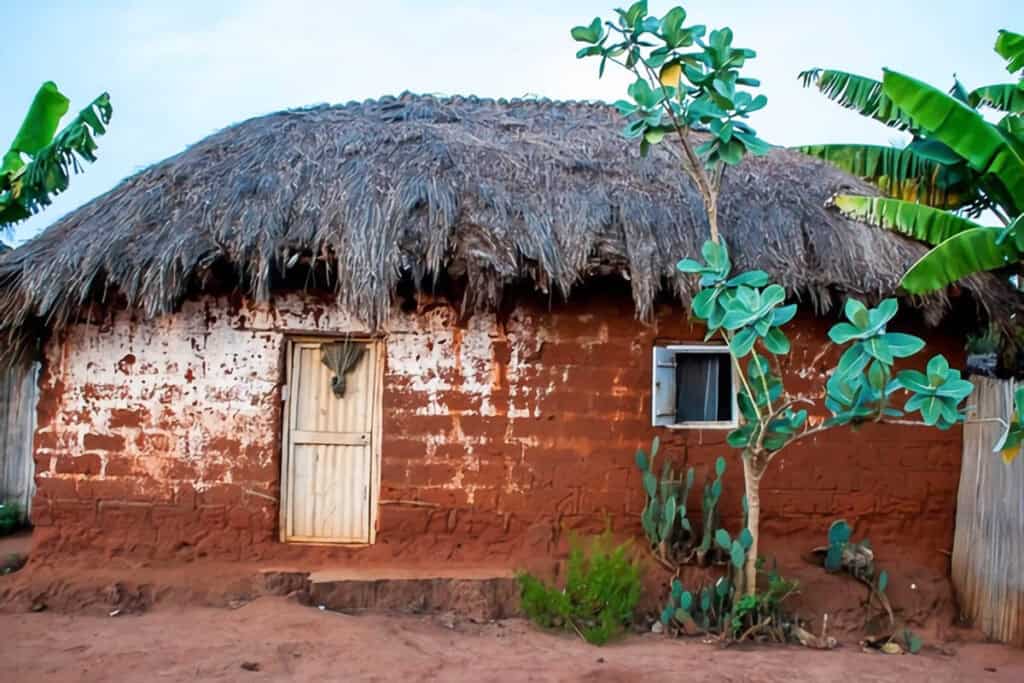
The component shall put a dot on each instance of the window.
(693, 387)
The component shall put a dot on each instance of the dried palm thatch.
(487, 192)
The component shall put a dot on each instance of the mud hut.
(421, 329)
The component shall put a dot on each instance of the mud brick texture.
(161, 439)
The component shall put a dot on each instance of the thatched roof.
(490, 193)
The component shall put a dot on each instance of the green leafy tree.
(956, 166)
(40, 161)
(686, 80)
(686, 84)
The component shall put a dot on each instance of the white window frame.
(656, 364)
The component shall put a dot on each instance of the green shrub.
(602, 588)
(10, 518)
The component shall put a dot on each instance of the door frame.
(377, 348)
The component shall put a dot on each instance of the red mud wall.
(161, 439)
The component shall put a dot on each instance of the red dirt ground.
(204, 620)
(285, 641)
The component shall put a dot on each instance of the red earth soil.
(205, 620)
(276, 639)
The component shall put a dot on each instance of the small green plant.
(858, 560)
(911, 641)
(724, 609)
(10, 518)
(762, 610)
(601, 591)
(985, 342)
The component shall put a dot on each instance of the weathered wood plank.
(18, 397)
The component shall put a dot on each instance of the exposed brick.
(105, 489)
(103, 442)
(56, 487)
(46, 439)
(73, 512)
(121, 466)
(87, 463)
(124, 417)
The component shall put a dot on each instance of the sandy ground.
(277, 639)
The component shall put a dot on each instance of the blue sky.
(177, 71)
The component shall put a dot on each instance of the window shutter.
(663, 387)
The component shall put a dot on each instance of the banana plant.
(924, 171)
(957, 165)
(40, 160)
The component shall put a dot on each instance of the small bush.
(10, 518)
(602, 588)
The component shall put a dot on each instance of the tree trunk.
(710, 204)
(752, 484)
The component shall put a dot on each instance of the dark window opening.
(703, 387)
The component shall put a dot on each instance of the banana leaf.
(31, 187)
(1007, 97)
(1010, 46)
(901, 173)
(963, 254)
(963, 129)
(38, 128)
(923, 223)
(859, 93)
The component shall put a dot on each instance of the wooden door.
(19, 393)
(331, 445)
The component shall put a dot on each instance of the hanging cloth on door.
(341, 357)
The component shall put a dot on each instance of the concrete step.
(472, 593)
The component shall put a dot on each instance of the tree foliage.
(687, 80)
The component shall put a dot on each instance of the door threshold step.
(474, 593)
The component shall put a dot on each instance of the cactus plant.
(912, 641)
(722, 607)
(712, 494)
(838, 536)
(664, 517)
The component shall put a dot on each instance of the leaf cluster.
(749, 314)
(687, 78)
(40, 161)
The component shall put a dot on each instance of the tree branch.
(739, 373)
(705, 185)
